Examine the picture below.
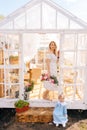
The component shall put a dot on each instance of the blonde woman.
(51, 61)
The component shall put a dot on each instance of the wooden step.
(36, 115)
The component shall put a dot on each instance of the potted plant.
(21, 106)
(29, 87)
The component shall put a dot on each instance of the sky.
(76, 7)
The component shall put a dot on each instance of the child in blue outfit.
(60, 112)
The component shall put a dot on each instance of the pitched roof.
(9, 20)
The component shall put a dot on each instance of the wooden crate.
(1, 81)
(1, 75)
(13, 60)
(1, 57)
(1, 90)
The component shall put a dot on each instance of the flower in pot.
(21, 106)
(29, 87)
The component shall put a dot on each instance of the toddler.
(60, 112)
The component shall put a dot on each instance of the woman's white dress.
(53, 64)
(53, 72)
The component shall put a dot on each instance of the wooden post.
(1, 74)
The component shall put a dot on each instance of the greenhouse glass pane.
(12, 76)
(19, 22)
(68, 59)
(62, 21)
(12, 91)
(11, 42)
(32, 42)
(33, 17)
(9, 25)
(82, 58)
(82, 41)
(73, 82)
(81, 73)
(74, 25)
(68, 76)
(69, 42)
(11, 53)
(48, 17)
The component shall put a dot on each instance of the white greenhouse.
(24, 38)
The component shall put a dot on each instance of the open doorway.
(35, 50)
(71, 66)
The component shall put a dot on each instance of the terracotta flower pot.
(23, 109)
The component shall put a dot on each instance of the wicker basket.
(14, 60)
(50, 86)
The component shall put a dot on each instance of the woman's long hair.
(55, 47)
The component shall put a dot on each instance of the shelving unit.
(10, 66)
